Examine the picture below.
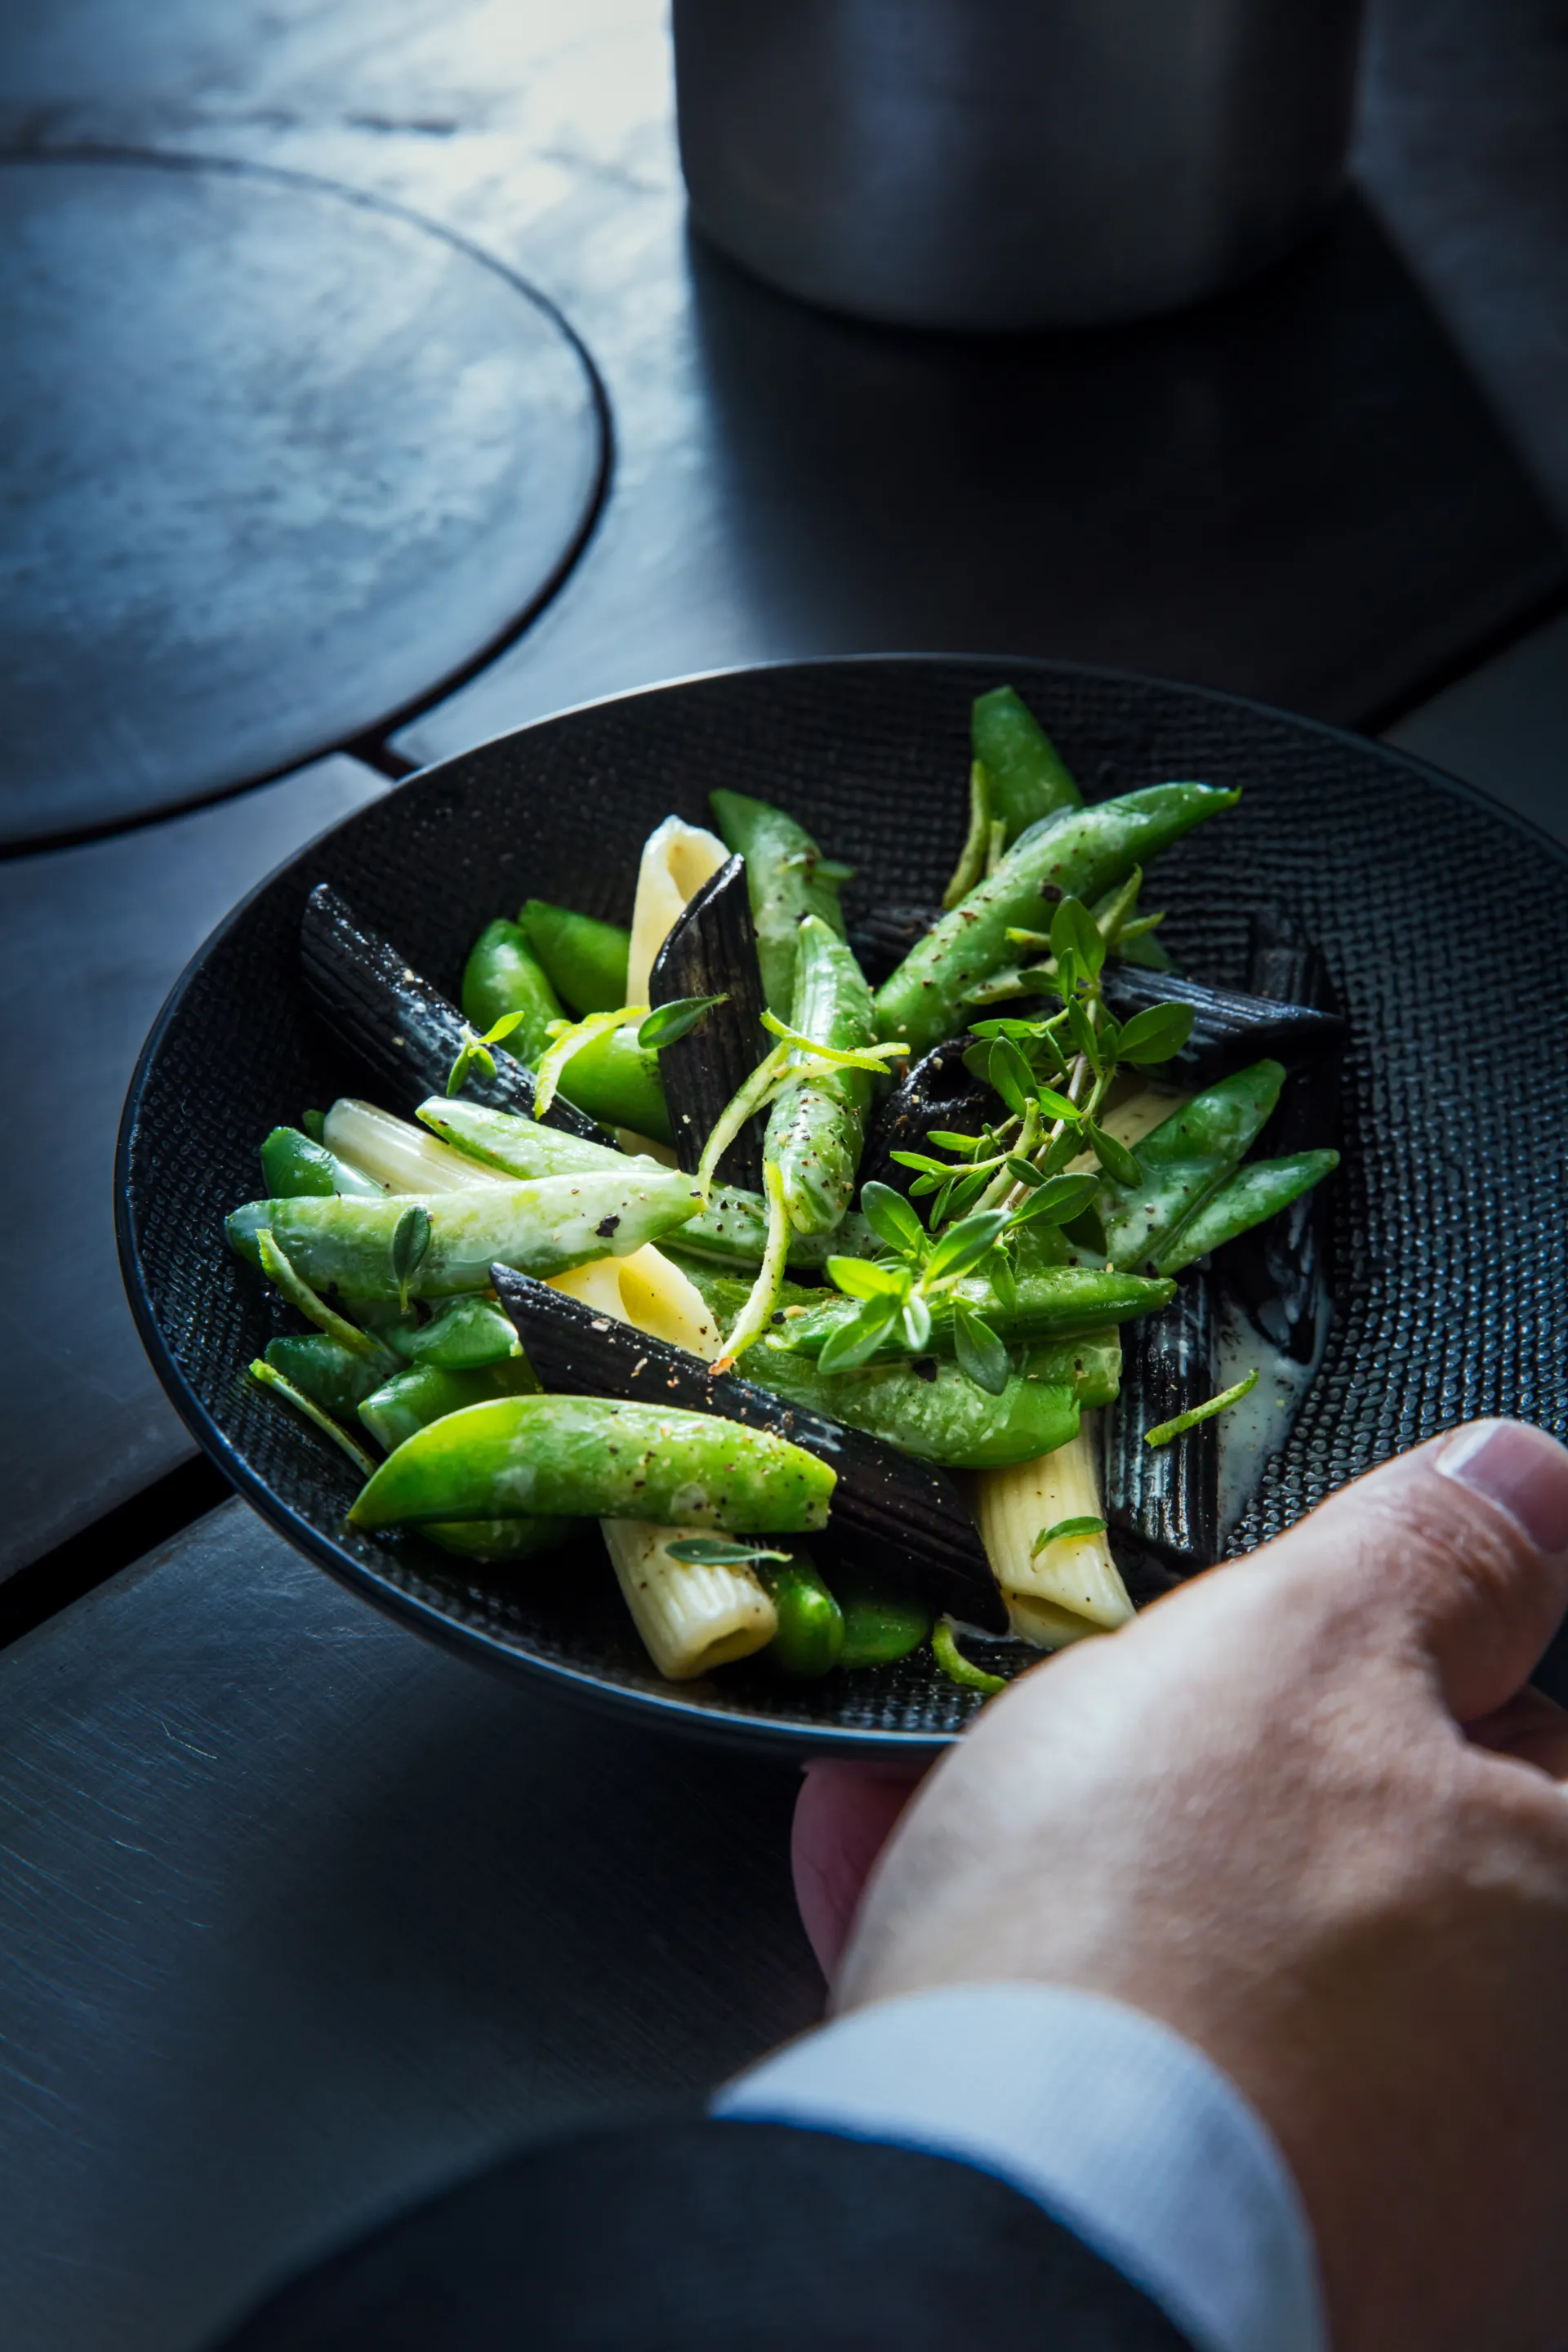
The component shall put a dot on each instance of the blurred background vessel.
(1012, 163)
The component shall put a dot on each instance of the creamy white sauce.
(1252, 1431)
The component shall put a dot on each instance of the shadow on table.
(1296, 492)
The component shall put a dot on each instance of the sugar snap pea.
(411, 1401)
(503, 976)
(1251, 1195)
(787, 878)
(460, 1337)
(499, 1538)
(330, 1375)
(929, 1409)
(882, 1623)
(296, 1167)
(1052, 1305)
(1078, 854)
(810, 1633)
(817, 1128)
(1028, 777)
(580, 1457)
(559, 1221)
(584, 960)
(1184, 1160)
(731, 1231)
(612, 1077)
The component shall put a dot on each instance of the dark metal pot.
(1012, 163)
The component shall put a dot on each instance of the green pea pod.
(732, 1230)
(411, 1401)
(462, 1338)
(931, 1410)
(542, 1228)
(617, 1083)
(499, 1538)
(330, 1375)
(810, 1634)
(1028, 777)
(1253, 1195)
(881, 1624)
(585, 960)
(1058, 1304)
(785, 881)
(503, 976)
(591, 1458)
(1184, 1160)
(294, 1167)
(817, 1128)
(1081, 854)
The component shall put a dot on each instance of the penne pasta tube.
(1072, 1587)
(402, 1157)
(677, 859)
(690, 1619)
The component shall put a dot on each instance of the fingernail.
(1520, 1470)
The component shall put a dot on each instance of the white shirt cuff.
(1113, 2123)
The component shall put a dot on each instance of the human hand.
(1253, 1814)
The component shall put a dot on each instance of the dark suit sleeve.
(717, 2237)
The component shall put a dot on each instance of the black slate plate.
(1441, 919)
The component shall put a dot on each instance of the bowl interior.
(1439, 914)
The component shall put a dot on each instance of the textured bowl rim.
(753, 1732)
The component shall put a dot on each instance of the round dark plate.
(1440, 917)
(279, 461)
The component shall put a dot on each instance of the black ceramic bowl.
(1441, 919)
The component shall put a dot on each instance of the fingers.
(843, 1816)
(1531, 1730)
(1463, 1545)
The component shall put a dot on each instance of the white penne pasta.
(677, 859)
(1073, 1587)
(403, 1158)
(691, 1619)
(598, 1285)
(659, 1298)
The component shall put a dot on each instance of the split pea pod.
(817, 1129)
(810, 1634)
(787, 878)
(1081, 854)
(1251, 1196)
(413, 1399)
(585, 960)
(1184, 1160)
(542, 1228)
(295, 1167)
(1028, 776)
(1052, 1305)
(731, 1231)
(591, 1458)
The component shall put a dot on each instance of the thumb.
(1462, 1544)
